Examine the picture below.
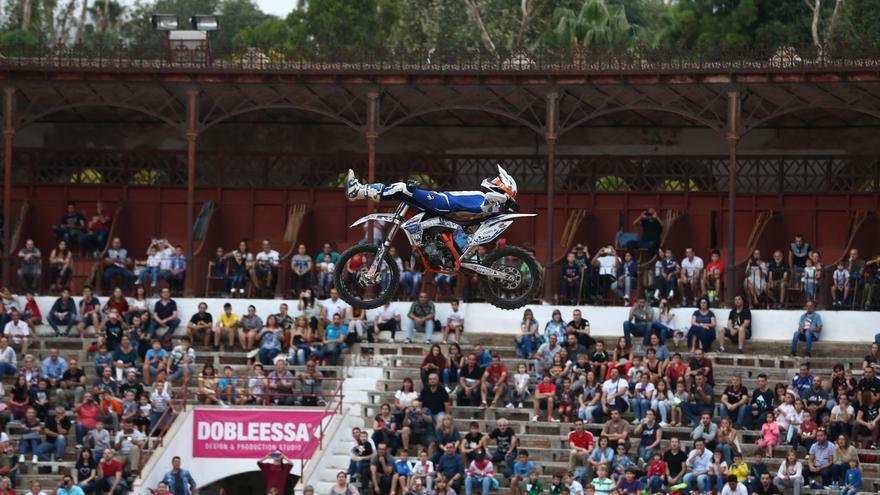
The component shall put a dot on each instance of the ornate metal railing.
(650, 59)
(574, 173)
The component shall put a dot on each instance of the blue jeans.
(808, 337)
(662, 407)
(235, 282)
(7, 369)
(32, 444)
(485, 483)
(152, 272)
(666, 286)
(53, 451)
(726, 451)
(325, 282)
(68, 321)
(81, 432)
(524, 346)
(655, 484)
(411, 283)
(178, 373)
(428, 327)
(588, 413)
(106, 483)
(705, 336)
(172, 326)
(646, 453)
(741, 415)
(643, 330)
(703, 481)
(628, 283)
(640, 407)
(114, 271)
(267, 355)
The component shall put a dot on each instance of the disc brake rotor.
(513, 277)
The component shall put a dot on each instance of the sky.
(279, 8)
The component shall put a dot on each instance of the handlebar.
(512, 205)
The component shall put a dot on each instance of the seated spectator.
(227, 325)
(155, 360)
(333, 342)
(387, 318)
(356, 326)
(840, 284)
(98, 230)
(160, 400)
(110, 474)
(641, 323)
(90, 308)
(30, 267)
(545, 396)
(469, 382)
(615, 392)
(333, 305)
(480, 475)
(32, 314)
(151, 270)
(418, 422)
(112, 329)
(739, 325)
(422, 314)
(71, 228)
(667, 278)
(867, 421)
(616, 430)
(691, 279)
(506, 446)
(872, 283)
(790, 473)
(454, 323)
(494, 382)
(266, 267)
(734, 402)
(56, 429)
(270, 338)
(569, 281)
(714, 277)
(117, 264)
(450, 471)
(60, 266)
(325, 265)
(607, 262)
(820, 459)
(699, 463)
(809, 327)
(181, 362)
(19, 330)
(30, 436)
(200, 323)
(8, 359)
(627, 278)
(301, 267)
(755, 282)
(703, 327)
(85, 473)
(54, 367)
(778, 279)
(310, 381)
(175, 272)
(650, 434)
(701, 400)
(164, 315)
(280, 382)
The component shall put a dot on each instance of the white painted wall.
(178, 442)
(605, 321)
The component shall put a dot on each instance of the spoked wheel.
(523, 280)
(360, 288)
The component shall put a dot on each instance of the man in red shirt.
(494, 381)
(580, 443)
(277, 471)
(110, 474)
(545, 393)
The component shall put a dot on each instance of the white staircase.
(321, 470)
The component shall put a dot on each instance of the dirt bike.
(366, 276)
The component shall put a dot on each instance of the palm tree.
(596, 24)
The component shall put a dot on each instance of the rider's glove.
(511, 204)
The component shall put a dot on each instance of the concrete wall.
(605, 321)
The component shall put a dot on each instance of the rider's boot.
(354, 190)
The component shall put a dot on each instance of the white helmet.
(503, 184)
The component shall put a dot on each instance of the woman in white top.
(138, 305)
(403, 398)
(310, 308)
(789, 474)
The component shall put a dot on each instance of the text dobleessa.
(252, 432)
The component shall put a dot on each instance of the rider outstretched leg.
(354, 190)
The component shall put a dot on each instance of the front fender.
(383, 217)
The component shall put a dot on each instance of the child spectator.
(739, 468)
(521, 469)
(656, 473)
(402, 472)
(520, 390)
(758, 468)
(480, 474)
(621, 463)
(810, 280)
(545, 394)
(533, 485)
(602, 484)
(769, 434)
(455, 323)
(629, 485)
(678, 400)
(853, 478)
(840, 284)
(556, 486)
(423, 470)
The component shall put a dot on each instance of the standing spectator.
(325, 264)
(266, 267)
(809, 327)
(179, 480)
(798, 254)
(275, 473)
(117, 264)
(739, 325)
(627, 277)
(840, 284)
(421, 313)
(692, 276)
(110, 474)
(30, 267)
(387, 318)
(301, 267)
(856, 268)
(164, 315)
(652, 228)
(714, 277)
(71, 228)
(60, 266)
(703, 327)
(569, 281)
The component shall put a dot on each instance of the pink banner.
(251, 434)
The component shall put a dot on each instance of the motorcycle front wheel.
(357, 286)
(525, 285)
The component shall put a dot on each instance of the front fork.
(399, 217)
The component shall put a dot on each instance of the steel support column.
(8, 135)
(192, 133)
(550, 138)
(372, 139)
(732, 141)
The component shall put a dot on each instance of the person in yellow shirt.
(739, 468)
(227, 325)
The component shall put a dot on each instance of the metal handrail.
(332, 407)
(165, 421)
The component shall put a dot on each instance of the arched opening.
(250, 482)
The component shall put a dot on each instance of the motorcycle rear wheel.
(512, 295)
(355, 288)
